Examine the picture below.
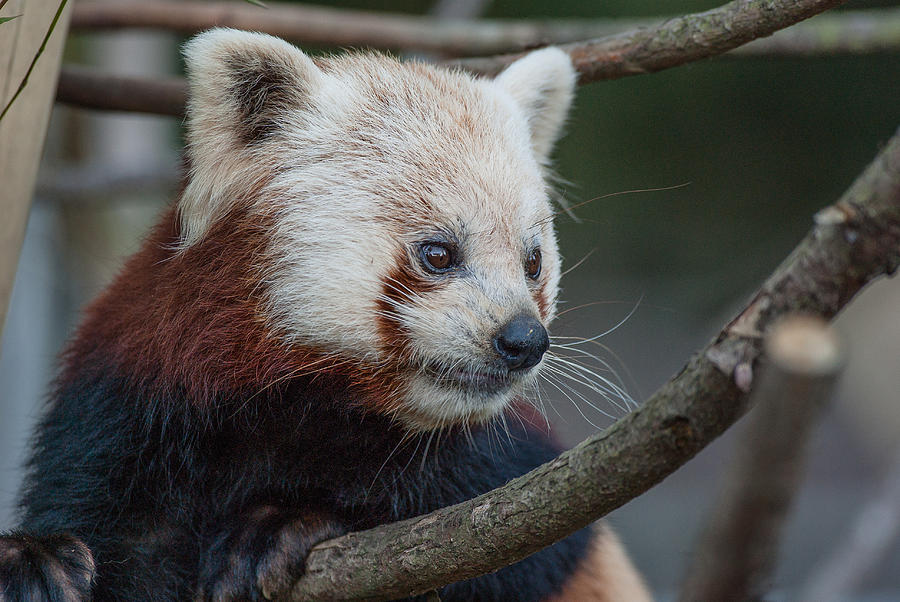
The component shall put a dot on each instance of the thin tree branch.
(87, 184)
(845, 32)
(86, 87)
(675, 41)
(643, 50)
(852, 242)
(854, 32)
(322, 26)
(739, 547)
(874, 530)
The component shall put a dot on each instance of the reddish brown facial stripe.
(543, 303)
(400, 287)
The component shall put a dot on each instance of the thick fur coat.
(320, 336)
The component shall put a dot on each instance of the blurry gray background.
(759, 145)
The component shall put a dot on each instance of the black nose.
(522, 342)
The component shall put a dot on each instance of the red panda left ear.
(244, 87)
(542, 83)
(245, 81)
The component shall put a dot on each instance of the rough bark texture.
(676, 41)
(644, 50)
(852, 242)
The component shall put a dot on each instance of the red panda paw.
(54, 568)
(262, 555)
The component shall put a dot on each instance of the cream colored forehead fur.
(370, 156)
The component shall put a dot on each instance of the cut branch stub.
(738, 550)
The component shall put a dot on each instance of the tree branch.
(852, 242)
(737, 553)
(86, 87)
(844, 32)
(675, 41)
(322, 26)
(867, 545)
(848, 32)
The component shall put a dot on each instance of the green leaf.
(5, 19)
(34, 61)
(256, 3)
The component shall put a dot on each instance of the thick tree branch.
(739, 547)
(643, 50)
(852, 242)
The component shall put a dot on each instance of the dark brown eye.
(436, 257)
(533, 264)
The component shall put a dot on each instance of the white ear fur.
(246, 79)
(243, 87)
(542, 83)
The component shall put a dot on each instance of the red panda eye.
(436, 257)
(533, 264)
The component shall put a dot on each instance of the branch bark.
(643, 50)
(739, 547)
(675, 41)
(852, 242)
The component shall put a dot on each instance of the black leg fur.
(261, 554)
(54, 568)
(174, 506)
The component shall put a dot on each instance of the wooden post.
(24, 127)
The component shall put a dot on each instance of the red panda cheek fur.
(189, 318)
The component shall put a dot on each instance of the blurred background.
(749, 150)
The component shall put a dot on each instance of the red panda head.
(410, 233)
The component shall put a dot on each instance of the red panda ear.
(246, 81)
(244, 88)
(542, 83)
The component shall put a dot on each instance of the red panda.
(355, 282)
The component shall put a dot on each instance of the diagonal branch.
(643, 50)
(852, 242)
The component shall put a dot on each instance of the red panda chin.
(432, 403)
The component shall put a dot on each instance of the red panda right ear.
(244, 88)
(542, 83)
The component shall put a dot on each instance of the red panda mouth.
(482, 380)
